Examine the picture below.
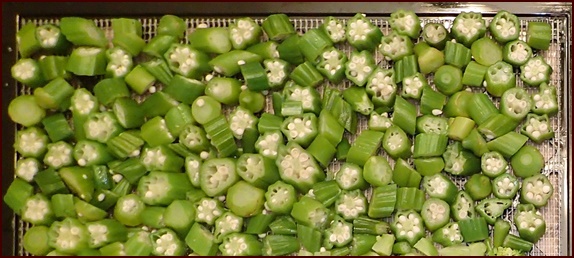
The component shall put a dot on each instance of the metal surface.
(556, 241)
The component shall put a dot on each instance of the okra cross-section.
(280, 197)
(535, 71)
(257, 170)
(186, 61)
(310, 212)
(31, 142)
(332, 64)
(545, 101)
(515, 103)
(435, 213)
(408, 226)
(536, 190)
(161, 188)
(308, 97)
(298, 168)
(268, 143)
(362, 34)
(102, 127)
(300, 129)
(208, 210)
(240, 244)
(339, 234)
(406, 23)
(537, 128)
(382, 88)
(244, 33)
(240, 120)
(529, 222)
(505, 186)
(68, 236)
(441, 187)
(448, 235)
(462, 207)
(394, 46)
(217, 175)
(351, 204)
(334, 28)
(468, 27)
(504, 27)
(359, 67)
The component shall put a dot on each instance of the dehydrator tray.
(557, 239)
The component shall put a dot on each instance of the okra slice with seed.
(27, 168)
(359, 67)
(38, 210)
(535, 71)
(31, 142)
(448, 235)
(240, 244)
(310, 212)
(529, 222)
(350, 177)
(162, 188)
(413, 86)
(27, 71)
(382, 88)
(334, 28)
(441, 187)
(59, 154)
(504, 27)
(244, 32)
(351, 204)
(492, 208)
(280, 197)
(161, 158)
(435, 34)
(394, 46)
(545, 101)
(217, 175)
(396, 143)
(277, 72)
(308, 97)
(435, 213)
(268, 143)
(462, 207)
(102, 127)
(120, 62)
(516, 52)
(257, 170)
(408, 226)
(537, 128)
(339, 234)
(105, 232)
(332, 64)
(240, 120)
(194, 138)
(187, 61)
(165, 242)
(505, 186)
(88, 153)
(536, 190)
(298, 168)
(515, 103)
(362, 34)
(379, 122)
(68, 236)
(208, 210)
(493, 164)
(300, 129)
(405, 23)
(468, 27)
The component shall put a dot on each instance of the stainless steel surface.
(557, 239)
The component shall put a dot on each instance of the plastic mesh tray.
(554, 150)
